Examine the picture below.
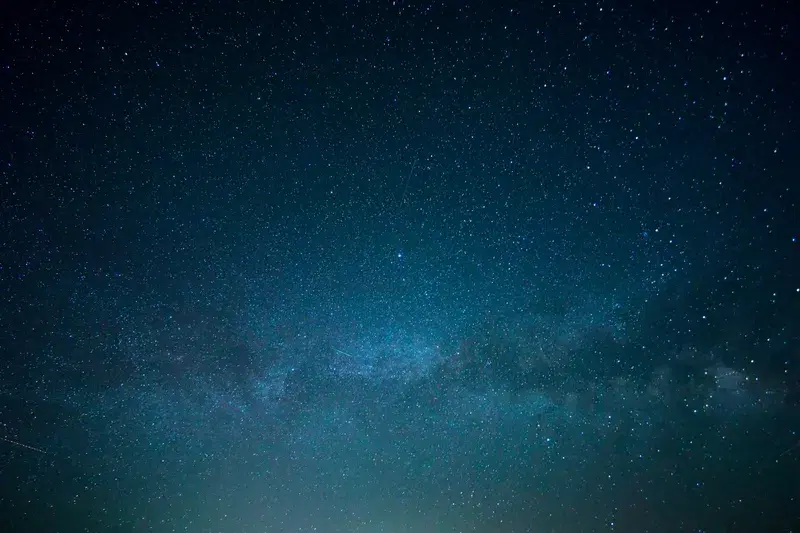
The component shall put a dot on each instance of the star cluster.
(399, 267)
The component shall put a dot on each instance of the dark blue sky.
(399, 267)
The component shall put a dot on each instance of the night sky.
(399, 267)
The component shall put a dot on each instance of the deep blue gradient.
(386, 267)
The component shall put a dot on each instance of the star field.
(399, 266)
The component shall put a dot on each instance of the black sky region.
(399, 267)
